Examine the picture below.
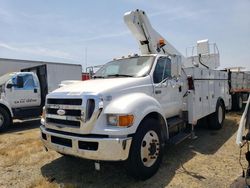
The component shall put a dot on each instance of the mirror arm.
(161, 83)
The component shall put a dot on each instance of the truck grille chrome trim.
(65, 101)
(67, 112)
(63, 116)
(70, 118)
(65, 107)
(61, 123)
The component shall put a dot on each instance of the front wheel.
(4, 119)
(146, 151)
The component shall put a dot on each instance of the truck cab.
(161, 73)
(20, 94)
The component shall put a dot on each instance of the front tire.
(216, 119)
(146, 151)
(4, 119)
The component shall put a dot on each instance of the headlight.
(112, 119)
(120, 120)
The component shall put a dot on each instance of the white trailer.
(22, 94)
(134, 105)
(54, 71)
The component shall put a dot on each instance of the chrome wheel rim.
(150, 148)
(1, 120)
(220, 114)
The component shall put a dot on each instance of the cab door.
(26, 96)
(167, 90)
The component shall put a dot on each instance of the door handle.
(157, 91)
(35, 90)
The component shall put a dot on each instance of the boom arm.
(150, 41)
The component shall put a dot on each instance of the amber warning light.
(162, 43)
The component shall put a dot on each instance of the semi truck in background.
(133, 106)
(23, 93)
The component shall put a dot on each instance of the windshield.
(127, 67)
(5, 78)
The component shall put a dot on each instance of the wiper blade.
(119, 75)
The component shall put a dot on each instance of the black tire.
(216, 119)
(237, 102)
(145, 168)
(240, 102)
(5, 120)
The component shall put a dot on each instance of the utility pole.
(86, 57)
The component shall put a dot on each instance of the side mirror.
(9, 86)
(19, 81)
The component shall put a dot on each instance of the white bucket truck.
(22, 94)
(137, 104)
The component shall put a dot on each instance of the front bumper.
(104, 149)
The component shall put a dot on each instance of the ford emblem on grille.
(61, 112)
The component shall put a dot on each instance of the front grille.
(67, 112)
(72, 116)
(70, 113)
(65, 101)
(76, 124)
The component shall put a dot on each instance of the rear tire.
(5, 120)
(146, 151)
(240, 102)
(216, 119)
(237, 102)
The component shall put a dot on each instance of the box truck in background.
(23, 93)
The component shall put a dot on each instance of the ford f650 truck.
(22, 94)
(134, 105)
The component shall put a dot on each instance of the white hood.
(98, 86)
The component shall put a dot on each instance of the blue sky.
(62, 30)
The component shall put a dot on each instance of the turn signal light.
(120, 120)
(126, 121)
